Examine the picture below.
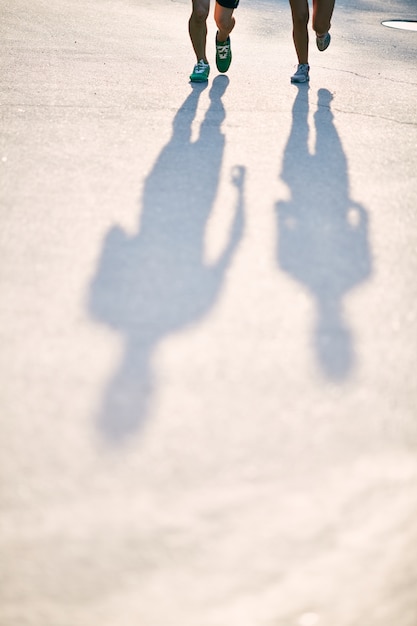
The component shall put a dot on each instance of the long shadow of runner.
(155, 282)
(322, 233)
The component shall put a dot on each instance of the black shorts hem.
(228, 4)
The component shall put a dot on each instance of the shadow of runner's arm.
(236, 231)
(108, 289)
(359, 248)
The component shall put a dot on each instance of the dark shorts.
(228, 4)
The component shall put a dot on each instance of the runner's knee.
(300, 18)
(200, 13)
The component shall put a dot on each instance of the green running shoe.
(223, 55)
(200, 72)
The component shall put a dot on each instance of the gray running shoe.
(301, 75)
(323, 42)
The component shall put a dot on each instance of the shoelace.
(200, 67)
(223, 51)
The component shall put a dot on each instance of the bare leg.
(224, 20)
(197, 27)
(322, 15)
(300, 16)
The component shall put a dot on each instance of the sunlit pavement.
(209, 320)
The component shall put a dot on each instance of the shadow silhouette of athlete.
(156, 282)
(322, 233)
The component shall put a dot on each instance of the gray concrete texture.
(208, 320)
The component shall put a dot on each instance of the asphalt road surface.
(208, 319)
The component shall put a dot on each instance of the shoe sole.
(323, 47)
(296, 81)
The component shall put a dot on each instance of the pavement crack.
(375, 116)
(378, 77)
